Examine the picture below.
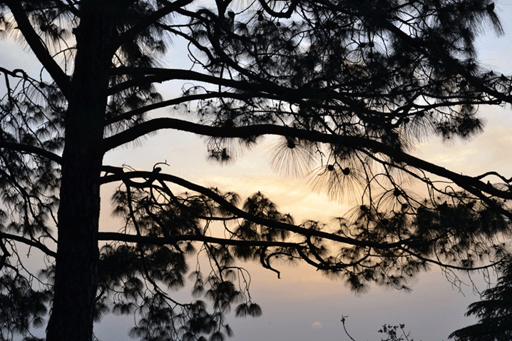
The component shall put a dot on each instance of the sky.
(303, 305)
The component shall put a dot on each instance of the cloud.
(316, 324)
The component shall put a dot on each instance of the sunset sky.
(303, 305)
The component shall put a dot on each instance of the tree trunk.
(77, 255)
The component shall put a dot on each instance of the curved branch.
(286, 14)
(121, 176)
(14, 73)
(32, 149)
(454, 267)
(37, 46)
(471, 184)
(179, 100)
(158, 75)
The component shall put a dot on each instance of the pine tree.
(349, 86)
(494, 311)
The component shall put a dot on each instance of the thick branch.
(466, 182)
(158, 75)
(31, 149)
(130, 238)
(121, 176)
(37, 46)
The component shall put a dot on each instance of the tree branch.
(279, 14)
(31, 149)
(29, 242)
(150, 20)
(126, 177)
(130, 238)
(158, 75)
(178, 100)
(37, 46)
(398, 156)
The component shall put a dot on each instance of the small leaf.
(217, 336)
(254, 310)
(241, 310)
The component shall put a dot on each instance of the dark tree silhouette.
(494, 311)
(349, 86)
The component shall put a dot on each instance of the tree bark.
(77, 254)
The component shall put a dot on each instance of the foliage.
(494, 311)
(347, 86)
(393, 333)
